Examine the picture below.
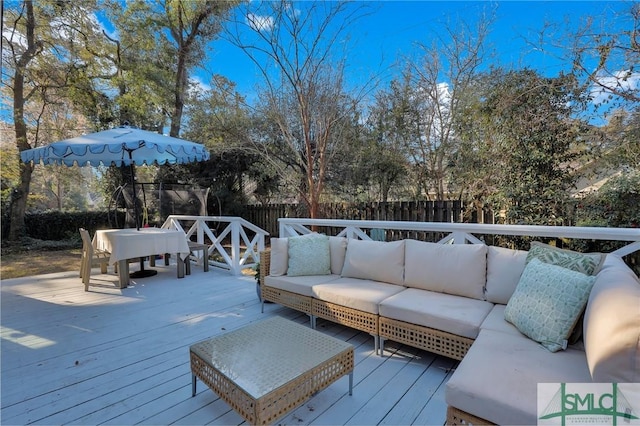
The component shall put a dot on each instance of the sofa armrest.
(265, 263)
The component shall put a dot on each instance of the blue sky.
(394, 28)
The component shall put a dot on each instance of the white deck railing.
(461, 233)
(235, 228)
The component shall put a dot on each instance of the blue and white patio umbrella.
(120, 146)
(124, 145)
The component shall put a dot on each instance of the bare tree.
(602, 52)
(299, 49)
(438, 83)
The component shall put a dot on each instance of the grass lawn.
(46, 261)
(36, 262)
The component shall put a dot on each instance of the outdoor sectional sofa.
(452, 299)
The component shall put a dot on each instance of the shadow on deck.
(111, 356)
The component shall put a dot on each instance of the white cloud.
(197, 86)
(623, 81)
(259, 22)
(15, 39)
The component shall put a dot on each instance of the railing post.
(459, 237)
(235, 247)
(200, 232)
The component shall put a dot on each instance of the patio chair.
(90, 257)
(193, 246)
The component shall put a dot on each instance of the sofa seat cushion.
(495, 321)
(363, 295)
(497, 379)
(458, 269)
(301, 285)
(612, 324)
(454, 314)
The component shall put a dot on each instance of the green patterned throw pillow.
(309, 255)
(587, 263)
(547, 303)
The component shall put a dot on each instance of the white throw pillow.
(457, 269)
(309, 255)
(375, 260)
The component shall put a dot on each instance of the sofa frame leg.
(312, 321)
(376, 343)
(380, 346)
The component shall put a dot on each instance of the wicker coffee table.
(266, 369)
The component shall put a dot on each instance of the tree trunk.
(180, 90)
(19, 194)
(19, 204)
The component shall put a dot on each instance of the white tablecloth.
(131, 243)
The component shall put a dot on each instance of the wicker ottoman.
(267, 369)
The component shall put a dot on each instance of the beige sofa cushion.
(279, 257)
(375, 260)
(458, 269)
(454, 314)
(504, 267)
(498, 378)
(338, 247)
(495, 321)
(300, 285)
(363, 295)
(612, 324)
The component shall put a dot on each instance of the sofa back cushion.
(457, 269)
(504, 268)
(280, 255)
(612, 324)
(375, 260)
(338, 247)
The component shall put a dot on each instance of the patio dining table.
(124, 244)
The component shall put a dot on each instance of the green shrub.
(59, 226)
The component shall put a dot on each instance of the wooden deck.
(111, 356)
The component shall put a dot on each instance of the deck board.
(112, 356)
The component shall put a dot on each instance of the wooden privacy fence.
(266, 217)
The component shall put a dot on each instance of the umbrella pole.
(142, 273)
(135, 195)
